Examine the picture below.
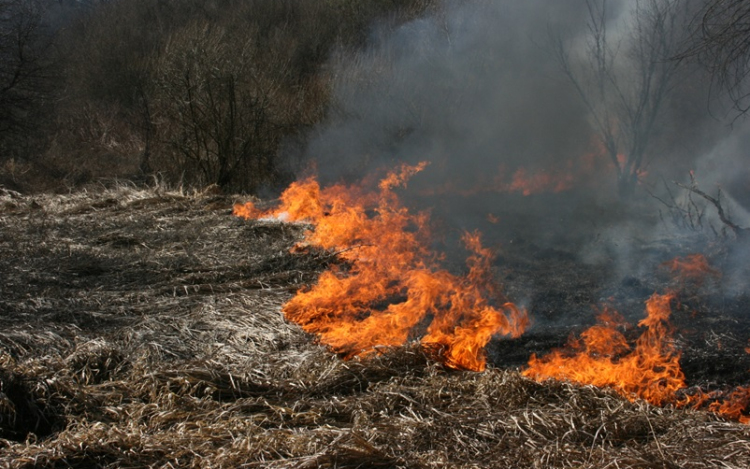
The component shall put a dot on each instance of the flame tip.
(393, 281)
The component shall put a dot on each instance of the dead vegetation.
(142, 328)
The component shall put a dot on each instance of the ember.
(393, 287)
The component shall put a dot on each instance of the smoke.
(475, 89)
(470, 88)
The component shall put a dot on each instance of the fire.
(622, 163)
(556, 177)
(650, 370)
(392, 288)
(523, 181)
(527, 183)
(603, 357)
(692, 269)
(735, 406)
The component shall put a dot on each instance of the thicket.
(195, 92)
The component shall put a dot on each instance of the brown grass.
(142, 328)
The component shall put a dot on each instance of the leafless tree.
(722, 42)
(196, 91)
(213, 108)
(624, 83)
(25, 68)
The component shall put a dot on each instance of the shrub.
(201, 92)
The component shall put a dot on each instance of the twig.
(738, 231)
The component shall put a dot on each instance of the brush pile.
(142, 328)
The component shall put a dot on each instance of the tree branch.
(740, 232)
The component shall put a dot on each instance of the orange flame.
(735, 406)
(640, 173)
(522, 181)
(392, 288)
(558, 177)
(537, 183)
(692, 269)
(650, 370)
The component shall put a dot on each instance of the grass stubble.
(143, 329)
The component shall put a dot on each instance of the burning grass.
(144, 329)
(394, 284)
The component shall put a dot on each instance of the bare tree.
(25, 68)
(213, 108)
(196, 91)
(624, 83)
(722, 42)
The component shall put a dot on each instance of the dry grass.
(143, 329)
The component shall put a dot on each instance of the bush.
(200, 92)
(27, 76)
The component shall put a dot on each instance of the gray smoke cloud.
(468, 89)
(474, 89)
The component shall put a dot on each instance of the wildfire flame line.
(650, 370)
(603, 357)
(393, 287)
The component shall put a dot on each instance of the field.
(143, 328)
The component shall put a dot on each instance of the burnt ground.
(565, 257)
(711, 326)
(142, 328)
